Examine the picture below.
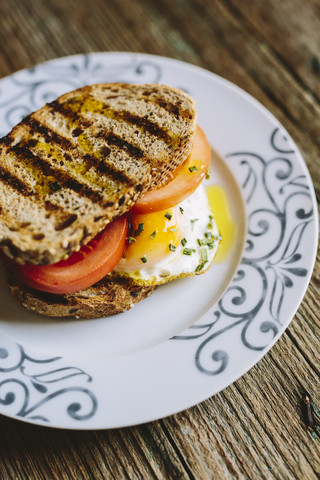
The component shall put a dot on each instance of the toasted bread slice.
(71, 167)
(105, 298)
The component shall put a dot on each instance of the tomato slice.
(82, 269)
(186, 178)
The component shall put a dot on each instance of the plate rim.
(273, 120)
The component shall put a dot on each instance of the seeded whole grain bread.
(108, 297)
(69, 168)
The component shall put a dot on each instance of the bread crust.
(105, 298)
(72, 166)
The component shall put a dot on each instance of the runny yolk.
(152, 243)
(220, 207)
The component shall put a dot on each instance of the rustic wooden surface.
(255, 428)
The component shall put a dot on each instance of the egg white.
(195, 221)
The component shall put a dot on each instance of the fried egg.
(169, 244)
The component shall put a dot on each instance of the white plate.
(191, 338)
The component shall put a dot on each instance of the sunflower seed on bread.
(71, 167)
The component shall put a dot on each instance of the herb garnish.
(183, 241)
(172, 248)
(131, 240)
(55, 186)
(204, 254)
(153, 234)
(193, 169)
(200, 267)
(181, 210)
(173, 229)
(210, 224)
(188, 251)
(144, 259)
(193, 221)
(168, 215)
(208, 243)
(139, 229)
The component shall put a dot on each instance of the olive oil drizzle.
(84, 105)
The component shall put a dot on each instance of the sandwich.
(101, 199)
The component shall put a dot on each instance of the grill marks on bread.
(50, 178)
(86, 158)
(117, 141)
(77, 106)
(64, 150)
(174, 108)
(48, 135)
(14, 182)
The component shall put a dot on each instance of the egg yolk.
(155, 236)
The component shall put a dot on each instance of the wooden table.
(255, 428)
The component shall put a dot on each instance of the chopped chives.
(153, 234)
(188, 251)
(209, 242)
(193, 221)
(168, 215)
(208, 234)
(210, 223)
(200, 242)
(200, 267)
(172, 248)
(173, 229)
(193, 169)
(131, 239)
(204, 254)
(181, 209)
(55, 186)
(144, 259)
(183, 241)
(208, 174)
(139, 229)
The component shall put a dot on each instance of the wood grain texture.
(255, 428)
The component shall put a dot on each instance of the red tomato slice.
(186, 178)
(82, 269)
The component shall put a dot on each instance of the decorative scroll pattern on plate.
(32, 88)
(278, 219)
(29, 386)
(40, 389)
